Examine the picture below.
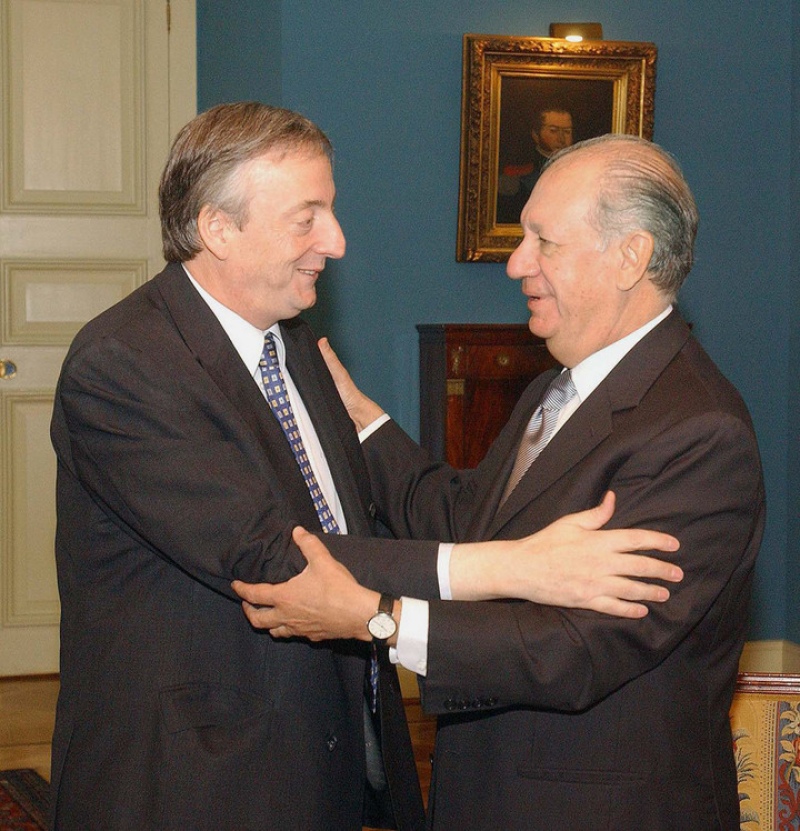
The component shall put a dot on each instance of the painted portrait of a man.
(538, 117)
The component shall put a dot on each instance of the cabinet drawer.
(471, 376)
(498, 361)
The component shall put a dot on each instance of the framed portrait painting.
(525, 98)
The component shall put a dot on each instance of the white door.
(92, 93)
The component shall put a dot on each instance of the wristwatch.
(382, 625)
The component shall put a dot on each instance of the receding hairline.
(618, 147)
(638, 184)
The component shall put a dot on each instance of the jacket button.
(373, 510)
(331, 741)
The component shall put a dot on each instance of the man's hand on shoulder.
(362, 410)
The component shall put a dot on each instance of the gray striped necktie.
(540, 428)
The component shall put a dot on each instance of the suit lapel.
(592, 422)
(205, 337)
(334, 430)
(586, 428)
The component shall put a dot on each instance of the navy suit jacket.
(561, 719)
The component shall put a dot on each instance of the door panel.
(76, 113)
(94, 92)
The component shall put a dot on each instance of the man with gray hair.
(553, 718)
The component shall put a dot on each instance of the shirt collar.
(591, 371)
(247, 340)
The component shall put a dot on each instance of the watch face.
(382, 626)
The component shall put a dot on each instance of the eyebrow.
(308, 203)
(311, 203)
(304, 205)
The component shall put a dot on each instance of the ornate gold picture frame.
(601, 86)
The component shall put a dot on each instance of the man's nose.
(523, 261)
(334, 243)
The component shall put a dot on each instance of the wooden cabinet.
(471, 376)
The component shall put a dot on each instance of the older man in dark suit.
(561, 719)
(195, 425)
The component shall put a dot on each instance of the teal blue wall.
(791, 355)
(383, 79)
(238, 51)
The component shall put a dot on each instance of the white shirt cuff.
(443, 570)
(371, 428)
(412, 637)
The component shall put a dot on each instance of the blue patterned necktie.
(541, 427)
(281, 406)
(278, 398)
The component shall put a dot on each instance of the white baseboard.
(771, 656)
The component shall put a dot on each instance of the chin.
(307, 301)
(537, 328)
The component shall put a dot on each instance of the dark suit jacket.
(173, 480)
(555, 719)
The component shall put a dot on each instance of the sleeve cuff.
(443, 570)
(412, 637)
(371, 428)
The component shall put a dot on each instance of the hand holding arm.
(570, 563)
(324, 601)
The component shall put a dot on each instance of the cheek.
(573, 298)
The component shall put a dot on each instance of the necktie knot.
(269, 355)
(560, 392)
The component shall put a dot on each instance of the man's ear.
(214, 229)
(636, 250)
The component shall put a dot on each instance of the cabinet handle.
(8, 369)
(503, 359)
(455, 363)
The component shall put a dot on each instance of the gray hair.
(642, 187)
(207, 156)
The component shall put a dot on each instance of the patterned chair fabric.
(765, 721)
